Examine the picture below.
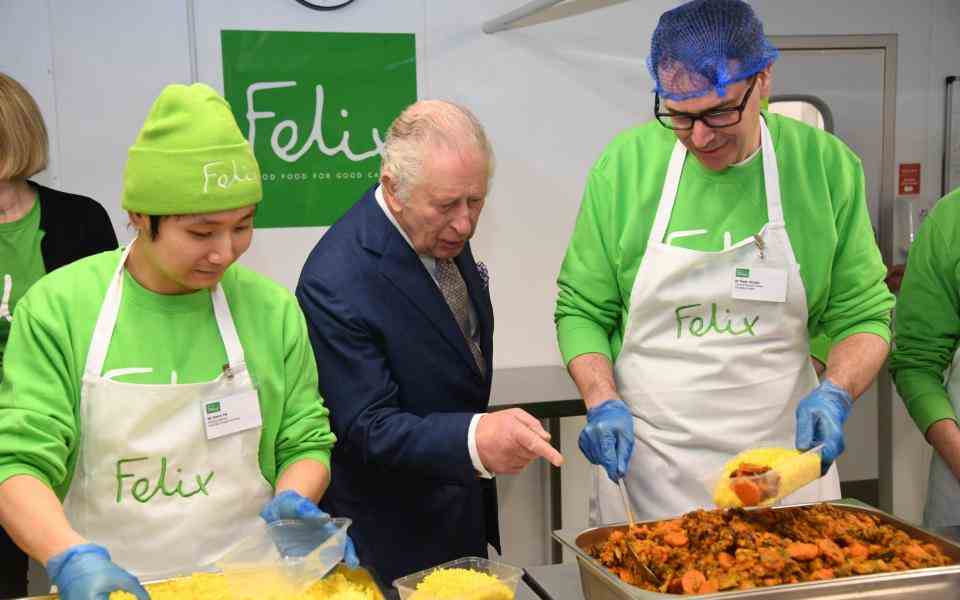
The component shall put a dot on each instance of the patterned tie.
(455, 293)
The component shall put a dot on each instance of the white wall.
(551, 96)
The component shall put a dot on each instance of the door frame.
(888, 44)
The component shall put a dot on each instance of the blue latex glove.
(820, 418)
(85, 572)
(291, 505)
(607, 439)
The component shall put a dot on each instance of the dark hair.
(156, 219)
(155, 225)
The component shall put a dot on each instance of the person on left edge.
(165, 395)
(40, 229)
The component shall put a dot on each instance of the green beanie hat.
(190, 157)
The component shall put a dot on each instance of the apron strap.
(669, 194)
(228, 331)
(110, 310)
(107, 319)
(771, 175)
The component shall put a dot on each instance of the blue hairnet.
(704, 46)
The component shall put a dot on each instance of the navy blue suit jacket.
(401, 386)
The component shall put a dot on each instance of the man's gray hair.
(429, 126)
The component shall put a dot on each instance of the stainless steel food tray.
(940, 583)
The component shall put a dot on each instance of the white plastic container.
(270, 560)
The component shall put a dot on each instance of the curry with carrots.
(717, 550)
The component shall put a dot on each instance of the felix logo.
(222, 177)
(314, 138)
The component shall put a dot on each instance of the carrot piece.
(821, 574)
(747, 491)
(710, 586)
(675, 538)
(801, 551)
(857, 551)
(914, 551)
(725, 560)
(830, 550)
(692, 581)
(751, 469)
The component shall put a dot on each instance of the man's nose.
(701, 135)
(462, 224)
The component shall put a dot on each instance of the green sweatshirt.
(171, 338)
(928, 316)
(824, 206)
(21, 265)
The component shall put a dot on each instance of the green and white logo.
(743, 272)
(213, 407)
(315, 107)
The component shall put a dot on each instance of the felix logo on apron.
(725, 324)
(140, 488)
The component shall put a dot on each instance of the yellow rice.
(340, 585)
(461, 584)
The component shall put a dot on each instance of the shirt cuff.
(878, 328)
(578, 335)
(927, 409)
(472, 447)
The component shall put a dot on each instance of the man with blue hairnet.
(692, 284)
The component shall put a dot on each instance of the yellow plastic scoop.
(764, 476)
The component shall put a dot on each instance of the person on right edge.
(712, 243)
(927, 352)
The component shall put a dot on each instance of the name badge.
(231, 414)
(755, 283)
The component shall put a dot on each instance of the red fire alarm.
(909, 179)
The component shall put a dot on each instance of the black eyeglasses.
(715, 119)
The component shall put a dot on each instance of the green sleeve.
(927, 326)
(39, 427)
(859, 300)
(305, 425)
(588, 304)
(820, 347)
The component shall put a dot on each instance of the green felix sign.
(316, 107)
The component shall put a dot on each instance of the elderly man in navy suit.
(402, 327)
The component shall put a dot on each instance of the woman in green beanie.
(159, 400)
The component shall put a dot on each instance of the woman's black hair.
(155, 225)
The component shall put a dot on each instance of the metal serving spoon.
(645, 570)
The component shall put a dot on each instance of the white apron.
(943, 490)
(707, 376)
(148, 485)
